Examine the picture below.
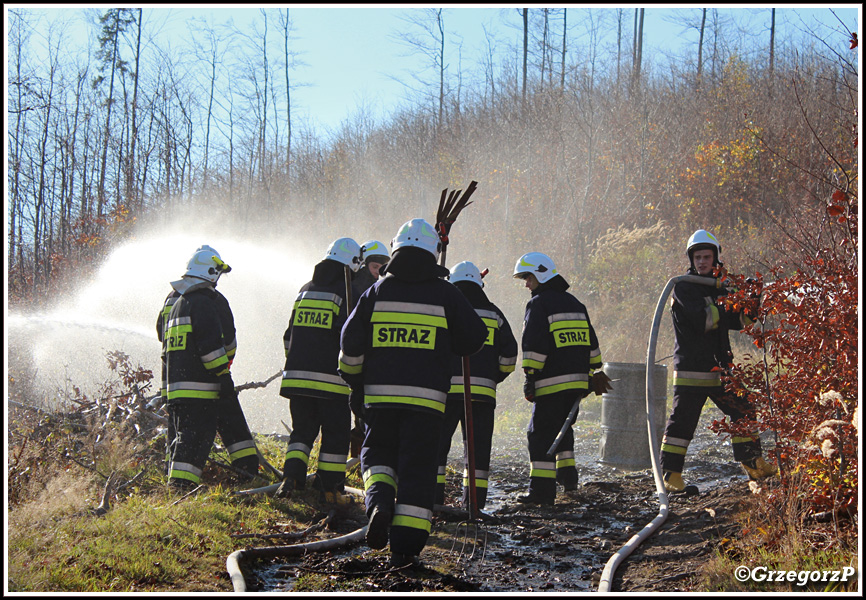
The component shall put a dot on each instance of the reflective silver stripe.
(564, 455)
(194, 385)
(211, 356)
(442, 469)
(380, 470)
(478, 474)
(488, 314)
(352, 361)
(179, 321)
(408, 510)
(536, 356)
(335, 298)
(314, 376)
(409, 307)
(240, 446)
(566, 317)
(561, 379)
(405, 390)
(182, 466)
(298, 447)
(550, 466)
(232, 345)
(458, 380)
(594, 353)
(507, 361)
(333, 458)
(697, 375)
(676, 441)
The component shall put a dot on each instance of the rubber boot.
(674, 481)
(379, 527)
(758, 468)
(285, 489)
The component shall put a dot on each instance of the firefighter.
(487, 369)
(374, 256)
(702, 352)
(197, 331)
(318, 397)
(395, 354)
(561, 363)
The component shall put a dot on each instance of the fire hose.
(607, 574)
(233, 562)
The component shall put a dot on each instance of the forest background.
(583, 148)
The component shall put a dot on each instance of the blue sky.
(353, 59)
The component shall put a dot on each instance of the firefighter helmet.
(345, 251)
(417, 233)
(206, 264)
(466, 271)
(703, 240)
(535, 263)
(374, 249)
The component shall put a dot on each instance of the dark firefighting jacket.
(312, 339)
(399, 341)
(497, 358)
(193, 347)
(559, 343)
(227, 321)
(702, 348)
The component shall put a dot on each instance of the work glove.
(529, 386)
(356, 403)
(227, 386)
(600, 383)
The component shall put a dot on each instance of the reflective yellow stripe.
(409, 319)
(412, 522)
(673, 449)
(315, 385)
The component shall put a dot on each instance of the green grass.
(152, 539)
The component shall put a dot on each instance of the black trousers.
(686, 412)
(398, 460)
(192, 427)
(309, 416)
(482, 426)
(548, 417)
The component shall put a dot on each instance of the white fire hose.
(607, 575)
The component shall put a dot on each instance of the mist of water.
(118, 308)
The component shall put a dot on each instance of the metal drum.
(624, 442)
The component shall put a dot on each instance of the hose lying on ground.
(235, 558)
(607, 574)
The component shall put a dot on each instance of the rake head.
(470, 535)
(450, 205)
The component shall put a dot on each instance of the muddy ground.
(532, 548)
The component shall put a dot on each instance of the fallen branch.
(294, 535)
(257, 384)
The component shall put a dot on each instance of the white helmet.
(374, 248)
(535, 263)
(466, 271)
(345, 251)
(206, 264)
(703, 239)
(417, 233)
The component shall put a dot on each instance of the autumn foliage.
(803, 373)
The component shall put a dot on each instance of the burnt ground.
(563, 548)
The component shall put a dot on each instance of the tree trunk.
(701, 47)
(525, 51)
